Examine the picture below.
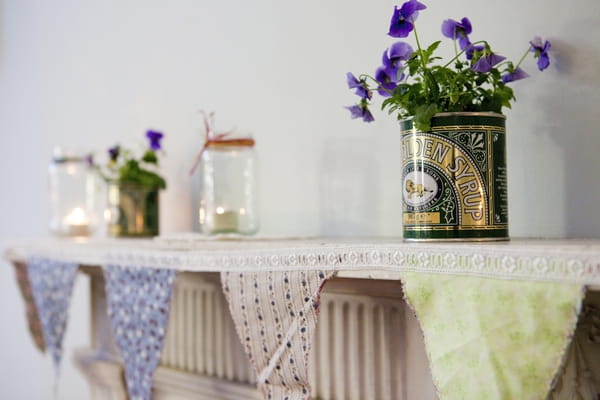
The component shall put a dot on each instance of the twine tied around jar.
(217, 139)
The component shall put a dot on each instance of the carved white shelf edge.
(546, 260)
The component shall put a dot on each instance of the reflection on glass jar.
(228, 188)
(73, 188)
(132, 210)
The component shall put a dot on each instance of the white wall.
(89, 73)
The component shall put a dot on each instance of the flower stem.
(367, 76)
(524, 56)
(418, 45)
(463, 51)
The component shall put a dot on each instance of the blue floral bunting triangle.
(138, 308)
(51, 285)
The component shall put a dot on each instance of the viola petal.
(466, 25)
(449, 28)
(400, 29)
(543, 61)
(514, 76)
(400, 51)
(352, 81)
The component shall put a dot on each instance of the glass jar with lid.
(73, 190)
(228, 198)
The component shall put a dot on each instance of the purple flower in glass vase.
(386, 83)
(487, 62)
(402, 19)
(154, 138)
(392, 60)
(113, 153)
(515, 75)
(458, 31)
(540, 49)
(361, 86)
(361, 111)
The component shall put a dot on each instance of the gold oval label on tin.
(440, 173)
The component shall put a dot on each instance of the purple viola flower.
(392, 59)
(403, 18)
(361, 87)
(154, 138)
(89, 160)
(487, 62)
(458, 31)
(386, 82)
(113, 153)
(361, 111)
(514, 75)
(540, 49)
(472, 49)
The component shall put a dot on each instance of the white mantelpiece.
(567, 261)
(378, 352)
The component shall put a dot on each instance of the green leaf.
(150, 157)
(132, 173)
(429, 51)
(423, 115)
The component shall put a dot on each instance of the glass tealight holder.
(73, 189)
(228, 202)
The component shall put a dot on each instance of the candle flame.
(77, 216)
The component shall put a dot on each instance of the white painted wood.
(357, 352)
(219, 331)
(191, 335)
(369, 346)
(322, 386)
(565, 261)
(200, 337)
(353, 369)
(204, 341)
(105, 379)
(419, 383)
(337, 359)
(179, 331)
(358, 346)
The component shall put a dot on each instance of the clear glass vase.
(228, 198)
(73, 188)
(132, 210)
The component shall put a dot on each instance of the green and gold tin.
(454, 178)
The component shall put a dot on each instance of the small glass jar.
(132, 210)
(73, 189)
(228, 188)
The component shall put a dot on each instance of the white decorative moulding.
(567, 261)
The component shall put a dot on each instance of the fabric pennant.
(275, 314)
(493, 339)
(31, 311)
(138, 308)
(51, 285)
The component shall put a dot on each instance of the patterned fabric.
(493, 339)
(52, 284)
(138, 307)
(31, 312)
(275, 314)
(580, 375)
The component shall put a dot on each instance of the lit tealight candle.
(76, 223)
(225, 221)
